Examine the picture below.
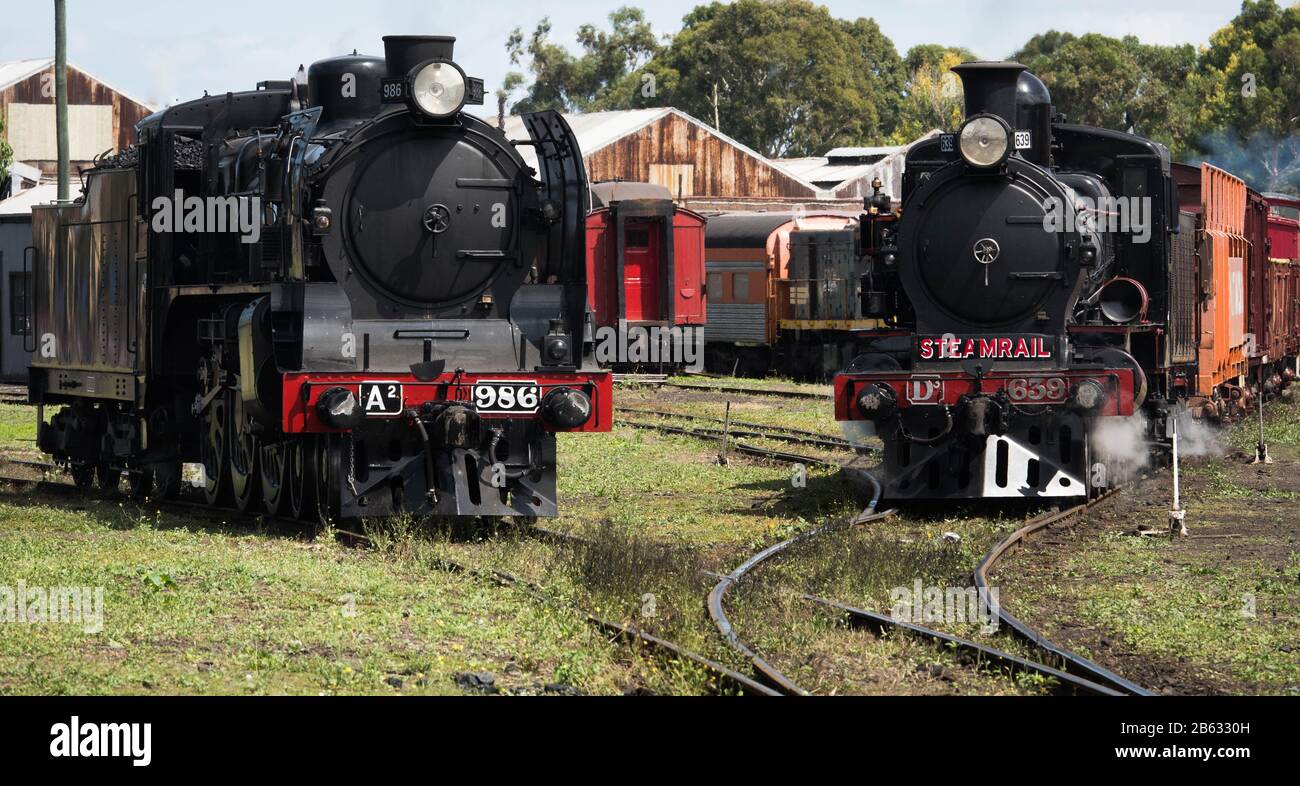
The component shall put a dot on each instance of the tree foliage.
(932, 96)
(788, 79)
(602, 77)
(1235, 103)
(1117, 83)
(1247, 97)
(784, 77)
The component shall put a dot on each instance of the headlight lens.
(439, 89)
(1089, 396)
(566, 408)
(339, 408)
(984, 142)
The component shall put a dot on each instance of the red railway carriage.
(1282, 296)
(1284, 227)
(1270, 299)
(645, 258)
(785, 293)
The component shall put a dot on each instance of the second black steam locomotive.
(348, 297)
(1034, 284)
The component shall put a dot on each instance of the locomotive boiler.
(347, 297)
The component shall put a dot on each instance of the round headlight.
(985, 141)
(1088, 396)
(878, 401)
(339, 408)
(566, 408)
(438, 89)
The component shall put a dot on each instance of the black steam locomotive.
(347, 297)
(1031, 287)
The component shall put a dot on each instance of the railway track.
(654, 380)
(737, 428)
(1074, 663)
(1079, 674)
(13, 394)
(666, 381)
(739, 447)
(723, 676)
(750, 391)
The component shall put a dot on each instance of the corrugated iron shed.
(847, 172)
(20, 204)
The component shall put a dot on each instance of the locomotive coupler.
(984, 415)
(440, 426)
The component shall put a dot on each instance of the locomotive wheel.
(166, 484)
(244, 483)
(139, 483)
(327, 466)
(108, 477)
(214, 451)
(298, 492)
(271, 466)
(284, 475)
(83, 475)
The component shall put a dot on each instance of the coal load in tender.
(188, 154)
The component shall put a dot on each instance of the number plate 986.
(507, 397)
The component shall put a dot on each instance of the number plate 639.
(1052, 390)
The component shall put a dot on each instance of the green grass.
(195, 606)
(17, 427)
(767, 383)
(1224, 488)
(672, 487)
(194, 610)
(1225, 610)
(1231, 617)
(1281, 424)
(811, 416)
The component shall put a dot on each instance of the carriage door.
(642, 271)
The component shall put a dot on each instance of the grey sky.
(168, 51)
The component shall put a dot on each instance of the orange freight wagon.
(1219, 199)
